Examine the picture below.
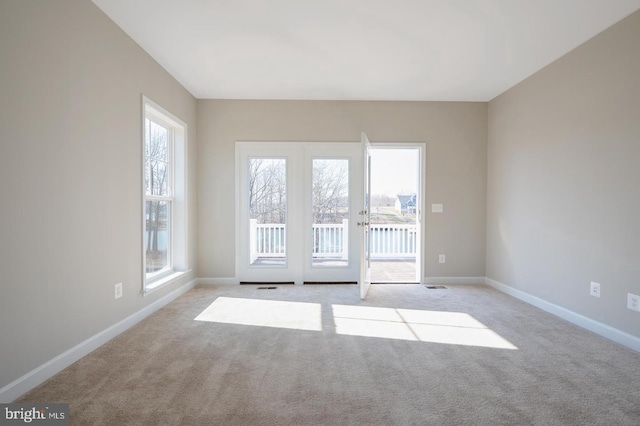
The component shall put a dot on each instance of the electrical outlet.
(595, 289)
(118, 290)
(441, 258)
(633, 302)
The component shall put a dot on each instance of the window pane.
(157, 235)
(156, 159)
(330, 212)
(267, 211)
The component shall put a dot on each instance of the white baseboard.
(218, 281)
(52, 367)
(454, 280)
(603, 330)
(427, 280)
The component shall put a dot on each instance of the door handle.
(362, 212)
(363, 223)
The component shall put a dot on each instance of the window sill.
(161, 282)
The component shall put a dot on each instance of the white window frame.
(176, 197)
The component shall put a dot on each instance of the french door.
(365, 217)
(298, 206)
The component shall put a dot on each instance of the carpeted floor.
(318, 355)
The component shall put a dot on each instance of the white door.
(365, 219)
(332, 198)
(265, 221)
(297, 205)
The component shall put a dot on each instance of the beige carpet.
(317, 355)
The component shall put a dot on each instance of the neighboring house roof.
(405, 199)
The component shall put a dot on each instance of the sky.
(394, 171)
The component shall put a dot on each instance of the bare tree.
(267, 190)
(330, 190)
(157, 183)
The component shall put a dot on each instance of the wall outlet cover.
(633, 302)
(118, 290)
(441, 258)
(595, 289)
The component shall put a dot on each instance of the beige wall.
(559, 203)
(563, 180)
(70, 218)
(455, 137)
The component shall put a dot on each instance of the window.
(164, 223)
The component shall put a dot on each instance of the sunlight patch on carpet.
(454, 328)
(264, 313)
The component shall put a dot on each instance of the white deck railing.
(393, 240)
(331, 240)
(267, 239)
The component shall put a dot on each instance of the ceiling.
(450, 50)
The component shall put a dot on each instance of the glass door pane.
(267, 211)
(330, 212)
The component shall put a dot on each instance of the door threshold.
(329, 282)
